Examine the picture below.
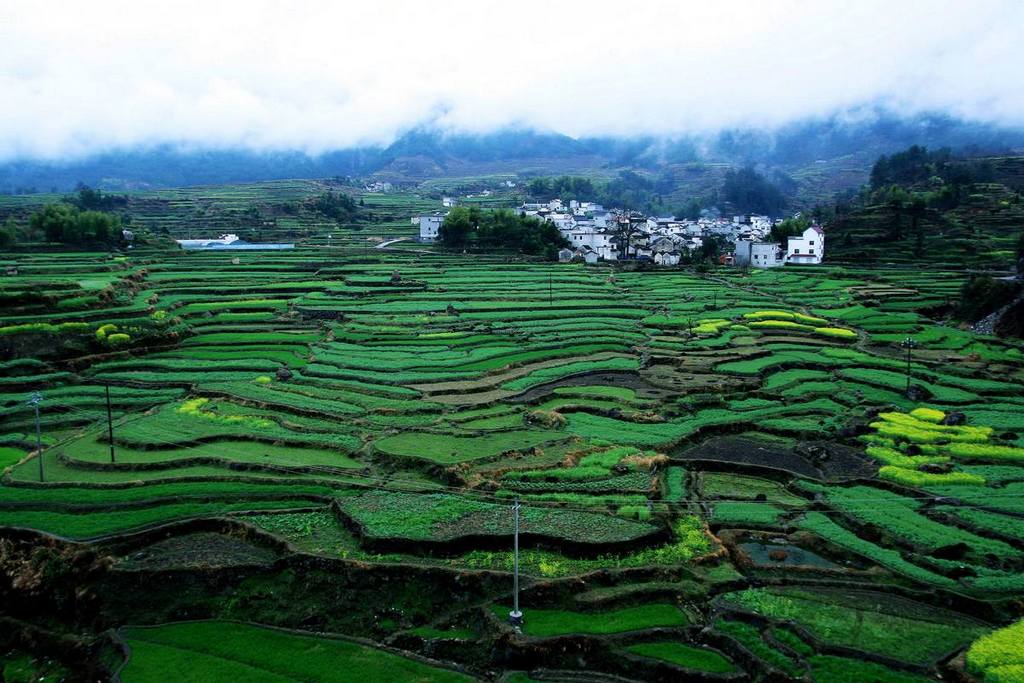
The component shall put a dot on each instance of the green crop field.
(224, 651)
(718, 473)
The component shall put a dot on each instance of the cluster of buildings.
(595, 234)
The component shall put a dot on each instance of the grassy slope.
(212, 652)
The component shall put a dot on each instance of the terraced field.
(722, 475)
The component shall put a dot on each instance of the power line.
(390, 485)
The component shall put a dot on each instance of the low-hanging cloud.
(77, 78)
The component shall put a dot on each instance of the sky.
(78, 78)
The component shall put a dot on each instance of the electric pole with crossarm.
(909, 343)
(34, 401)
(515, 617)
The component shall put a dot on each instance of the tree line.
(744, 189)
(628, 190)
(933, 178)
(499, 230)
(84, 218)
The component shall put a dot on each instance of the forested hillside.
(934, 208)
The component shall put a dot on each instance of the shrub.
(646, 462)
(549, 419)
(118, 339)
(638, 512)
(103, 330)
(262, 379)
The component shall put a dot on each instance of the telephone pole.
(110, 425)
(33, 401)
(908, 344)
(551, 296)
(515, 617)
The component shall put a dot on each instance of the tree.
(1020, 255)
(96, 226)
(711, 248)
(454, 231)
(913, 165)
(751, 192)
(623, 234)
(8, 234)
(54, 221)
(691, 211)
(66, 224)
(500, 230)
(917, 210)
(791, 227)
(983, 295)
(88, 199)
(337, 206)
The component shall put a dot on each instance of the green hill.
(974, 224)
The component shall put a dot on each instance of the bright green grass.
(687, 656)
(829, 669)
(88, 449)
(441, 517)
(448, 449)
(543, 623)
(858, 623)
(226, 652)
(96, 524)
(749, 637)
(10, 455)
(742, 487)
(892, 560)
(741, 512)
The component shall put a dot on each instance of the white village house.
(595, 233)
(806, 248)
(758, 254)
(429, 225)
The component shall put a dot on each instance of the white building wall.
(429, 225)
(806, 248)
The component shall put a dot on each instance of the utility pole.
(551, 296)
(908, 344)
(515, 617)
(33, 401)
(110, 424)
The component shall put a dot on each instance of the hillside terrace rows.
(321, 401)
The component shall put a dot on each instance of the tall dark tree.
(500, 230)
(8, 234)
(751, 192)
(454, 232)
(54, 221)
